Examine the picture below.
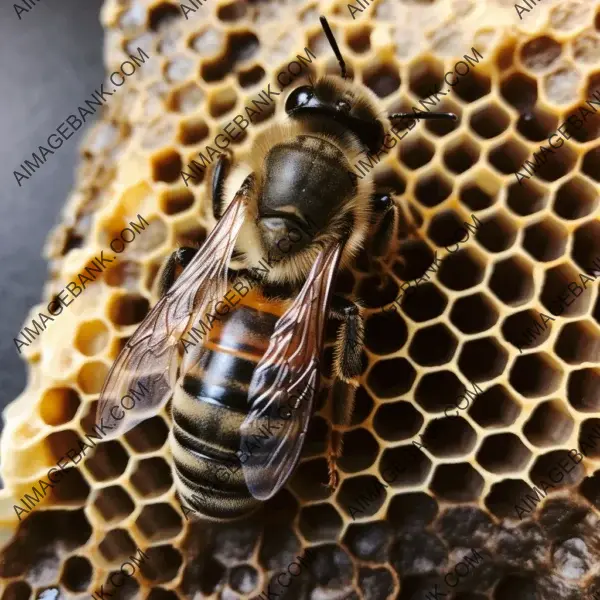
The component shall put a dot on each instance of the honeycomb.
(480, 381)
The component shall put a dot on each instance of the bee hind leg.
(180, 257)
(347, 367)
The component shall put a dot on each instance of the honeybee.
(243, 380)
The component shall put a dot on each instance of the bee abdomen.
(209, 407)
(205, 439)
(211, 481)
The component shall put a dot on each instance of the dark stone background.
(50, 61)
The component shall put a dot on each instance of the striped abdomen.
(210, 404)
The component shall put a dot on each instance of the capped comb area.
(470, 466)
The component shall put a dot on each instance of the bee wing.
(147, 364)
(285, 383)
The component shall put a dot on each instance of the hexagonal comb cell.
(382, 79)
(77, 574)
(176, 201)
(17, 590)
(438, 390)
(512, 281)
(449, 437)
(591, 164)
(108, 461)
(462, 270)
(537, 125)
(404, 466)
(508, 157)
(494, 397)
(474, 314)
(309, 480)
(59, 405)
(148, 436)
(390, 378)
(497, 233)
(457, 483)
(545, 240)
(503, 453)
(575, 198)
(490, 121)
(320, 522)
(361, 451)
(361, 496)
(482, 359)
(567, 292)
(461, 155)
(92, 337)
(151, 477)
(424, 303)
(416, 152)
(186, 99)
(520, 91)
(114, 504)
(578, 342)
(475, 197)
(116, 546)
(586, 248)
(160, 14)
(549, 424)
(159, 522)
(495, 407)
(434, 345)
(433, 189)
(539, 53)
(535, 375)
(167, 166)
(385, 332)
(446, 228)
(397, 421)
(527, 201)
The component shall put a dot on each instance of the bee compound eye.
(299, 97)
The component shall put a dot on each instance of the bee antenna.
(333, 44)
(431, 115)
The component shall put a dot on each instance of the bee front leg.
(222, 168)
(347, 367)
(387, 211)
(181, 257)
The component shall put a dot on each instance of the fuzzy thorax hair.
(295, 267)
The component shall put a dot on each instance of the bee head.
(341, 101)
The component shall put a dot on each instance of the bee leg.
(222, 168)
(409, 224)
(386, 212)
(347, 366)
(384, 218)
(182, 257)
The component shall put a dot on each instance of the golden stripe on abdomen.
(210, 405)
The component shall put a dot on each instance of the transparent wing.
(285, 382)
(146, 368)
